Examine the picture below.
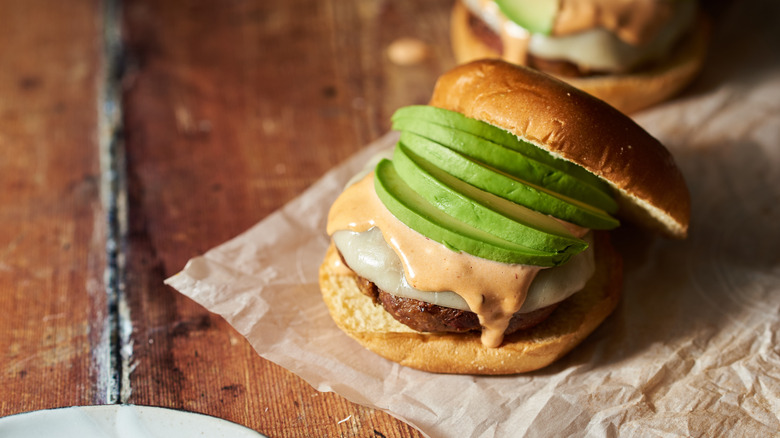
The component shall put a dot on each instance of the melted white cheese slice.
(372, 258)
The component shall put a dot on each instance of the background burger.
(482, 245)
(630, 53)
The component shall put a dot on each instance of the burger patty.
(426, 317)
(493, 41)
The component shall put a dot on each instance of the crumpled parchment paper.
(691, 350)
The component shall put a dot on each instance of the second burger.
(630, 53)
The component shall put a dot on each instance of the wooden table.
(135, 135)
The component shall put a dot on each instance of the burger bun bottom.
(456, 353)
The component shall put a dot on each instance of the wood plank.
(52, 235)
(232, 109)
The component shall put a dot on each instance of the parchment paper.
(692, 348)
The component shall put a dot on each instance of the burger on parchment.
(630, 53)
(482, 246)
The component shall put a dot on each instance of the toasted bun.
(524, 351)
(626, 92)
(577, 127)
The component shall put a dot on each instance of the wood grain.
(53, 349)
(231, 110)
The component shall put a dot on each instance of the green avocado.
(420, 215)
(511, 162)
(505, 185)
(535, 16)
(482, 210)
(456, 120)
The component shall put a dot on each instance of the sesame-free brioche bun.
(628, 92)
(458, 353)
(571, 125)
(574, 126)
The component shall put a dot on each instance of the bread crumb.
(407, 51)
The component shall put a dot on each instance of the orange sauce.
(634, 21)
(494, 291)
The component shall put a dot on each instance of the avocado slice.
(417, 213)
(456, 120)
(485, 211)
(511, 162)
(506, 186)
(535, 16)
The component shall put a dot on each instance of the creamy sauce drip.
(514, 39)
(492, 290)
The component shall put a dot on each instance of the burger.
(481, 245)
(630, 53)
